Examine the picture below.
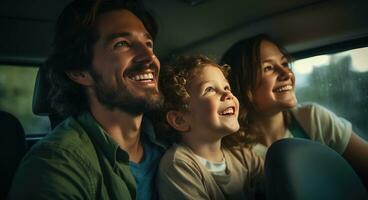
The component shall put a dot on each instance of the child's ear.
(80, 77)
(177, 121)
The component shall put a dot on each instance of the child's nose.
(227, 95)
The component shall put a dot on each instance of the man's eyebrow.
(112, 36)
(148, 36)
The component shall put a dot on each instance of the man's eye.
(149, 44)
(121, 44)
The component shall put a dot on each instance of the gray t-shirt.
(320, 125)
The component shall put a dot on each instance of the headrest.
(41, 104)
(301, 169)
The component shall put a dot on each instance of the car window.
(339, 82)
(16, 93)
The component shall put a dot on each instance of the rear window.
(339, 82)
(16, 93)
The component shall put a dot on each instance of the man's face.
(125, 69)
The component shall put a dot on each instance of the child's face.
(213, 110)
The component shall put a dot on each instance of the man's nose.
(144, 55)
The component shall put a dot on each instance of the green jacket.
(78, 160)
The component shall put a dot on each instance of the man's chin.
(135, 102)
(142, 105)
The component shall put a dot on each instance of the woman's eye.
(268, 68)
(285, 64)
(121, 44)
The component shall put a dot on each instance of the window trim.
(332, 48)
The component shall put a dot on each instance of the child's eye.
(121, 44)
(209, 89)
(227, 88)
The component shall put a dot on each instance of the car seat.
(12, 149)
(41, 104)
(301, 169)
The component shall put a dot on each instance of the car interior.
(305, 27)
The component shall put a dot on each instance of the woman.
(264, 83)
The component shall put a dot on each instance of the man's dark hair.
(75, 35)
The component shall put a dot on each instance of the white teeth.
(284, 88)
(227, 111)
(143, 77)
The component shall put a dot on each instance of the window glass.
(16, 93)
(339, 82)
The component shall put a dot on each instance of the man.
(104, 76)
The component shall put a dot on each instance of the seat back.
(41, 104)
(301, 169)
(12, 149)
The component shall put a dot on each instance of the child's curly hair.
(173, 81)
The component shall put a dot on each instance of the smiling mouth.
(283, 88)
(144, 77)
(228, 111)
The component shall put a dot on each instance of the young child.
(206, 162)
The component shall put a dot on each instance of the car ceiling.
(196, 26)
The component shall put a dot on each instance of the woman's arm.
(356, 154)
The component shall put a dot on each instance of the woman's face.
(275, 82)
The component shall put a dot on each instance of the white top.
(216, 168)
(320, 125)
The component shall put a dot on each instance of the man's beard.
(122, 98)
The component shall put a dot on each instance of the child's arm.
(177, 180)
(251, 161)
(255, 166)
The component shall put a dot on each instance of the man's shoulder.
(63, 163)
(68, 136)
